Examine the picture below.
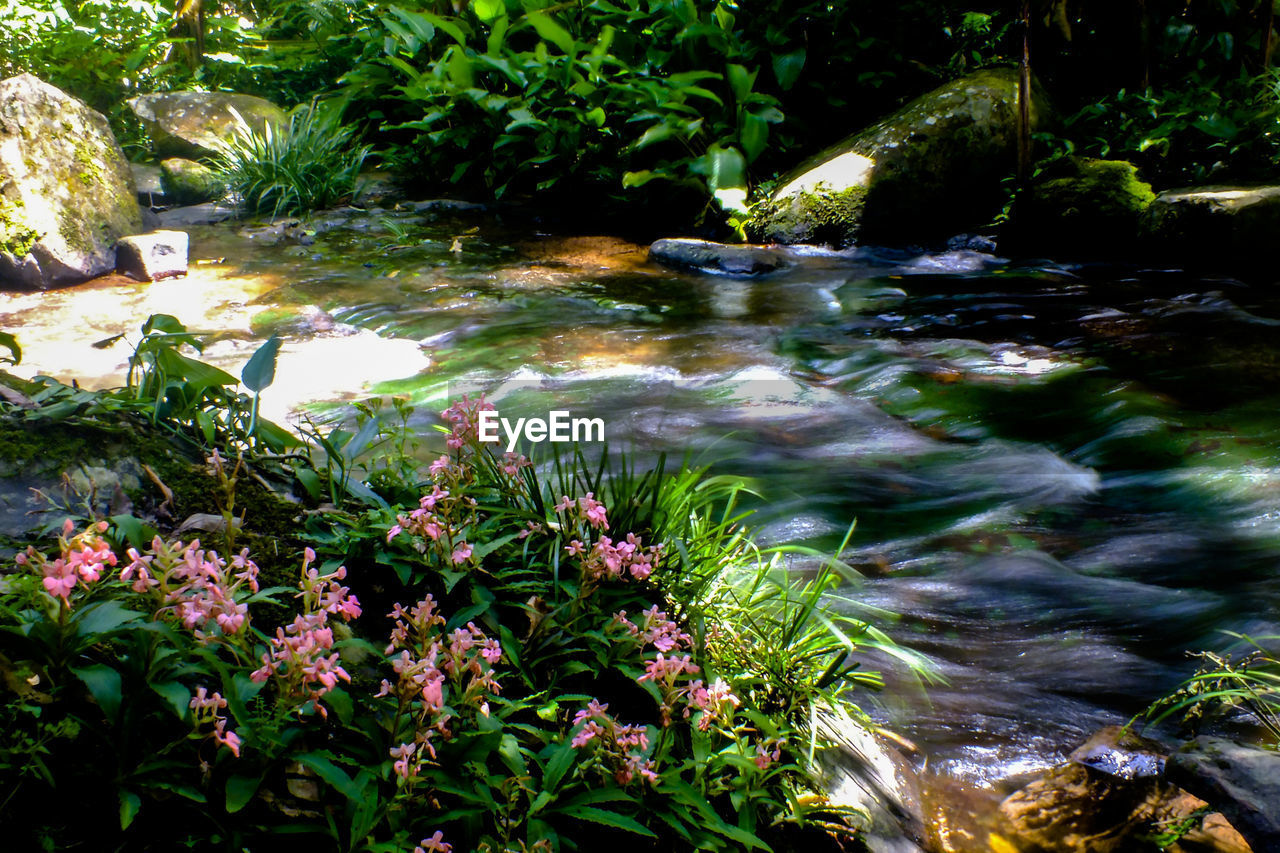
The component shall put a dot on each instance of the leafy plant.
(312, 164)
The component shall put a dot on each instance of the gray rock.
(209, 213)
(189, 182)
(1216, 225)
(707, 256)
(863, 771)
(154, 256)
(66, 191)
(929, 170)
(196, 124)
(1242, 782)
(146, 179)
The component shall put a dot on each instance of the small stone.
(151, 257)
(1117, 752)
(706, 256)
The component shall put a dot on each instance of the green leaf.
(561, 760)
(331, 773)
(548, 29)
(260, 371)
(10, 343)
(177, 365)
(489, 10)
(103, 618)
(755, 134)
(741, 81)
(129, 805)
(787, 67)
(727, 178)
(104, 685)
(608, 818)
(176, 695)
(240, 790)
(657, 133)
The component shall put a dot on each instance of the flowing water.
(1063, 477)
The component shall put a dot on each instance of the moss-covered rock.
(66, 190)
(188, 182)
(196, 124)
(929, 170)
(1082, 208)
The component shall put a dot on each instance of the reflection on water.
(1062, 477)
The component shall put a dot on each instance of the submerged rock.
(1242, 782)
(1217, 225)
(929, 170)
(66, 190)
(704, 255)
(1090, 208)
(196, 124)
(189, 182)
(1111, 797)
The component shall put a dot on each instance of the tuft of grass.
(1247, 681)
(312, 164)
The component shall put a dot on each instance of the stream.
(1063, 476)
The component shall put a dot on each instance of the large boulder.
(1081, 208)
(930, 170)
(188, 182)
(195, 124)
(1231, 226)
(66, 190)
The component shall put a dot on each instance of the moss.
(1083, 207)
(39, 452)
(189, 182)
(16, 236)
(813, 217)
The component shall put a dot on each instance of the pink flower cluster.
(301, 658)
(606, 559)
(463, 418)
(430, 523)
(620, 748)
(208, 709)
(766, 757)
(436, 674)
(84, 557)
(586, 509)
(196, 586)
(716, 703)
(657, 630)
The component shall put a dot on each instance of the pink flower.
(59, 579)
(461, 553)
(434, 844)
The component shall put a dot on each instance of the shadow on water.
(1063, 477)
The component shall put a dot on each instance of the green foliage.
(1247, 682)
(568, 679)
(523, 97)
(312, 164)
(9, 342)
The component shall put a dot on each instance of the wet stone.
(1117, 752)
(154, 256)
(707, 256)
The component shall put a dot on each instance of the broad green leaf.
(103, 618)
(129, 805)
(548, 29)
(727, 177)
(240, 790)
(741, 81)
(179, 366)
(176, 695)
(332, 774)
(489, 10)
(787, 67)
(755, 134)
(608, 818)
(104, 685)
(657, 133)
(260, 370)
(10, 343)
